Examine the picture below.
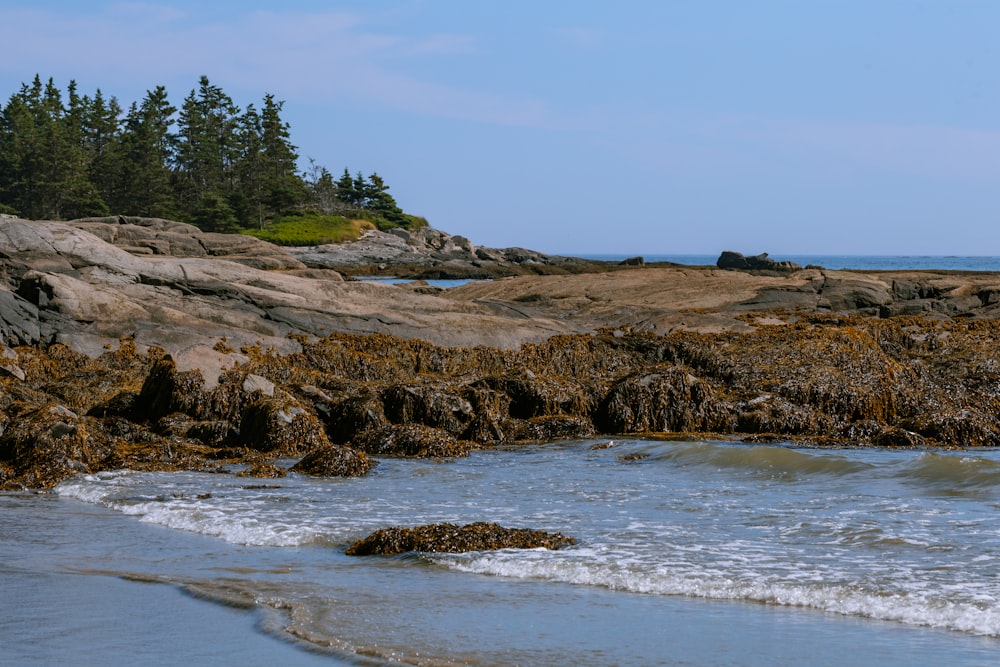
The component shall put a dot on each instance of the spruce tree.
(283, 187)
(206, 156)
(146, 151)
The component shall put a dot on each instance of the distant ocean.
(835, 262)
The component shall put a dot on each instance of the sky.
(588, 127)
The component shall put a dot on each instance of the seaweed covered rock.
(282, 426)
(452, 538)
(665, 400)
(46, 445)
(263, 470)
(532, 396)
(355, 414)
(335, 461)
(429, 405)
(896, 437)
(410, 440)
(167, 390)
(773, 414)
(555, 427)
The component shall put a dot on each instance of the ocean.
(843, 262)
(687, 553)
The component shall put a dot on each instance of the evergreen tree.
(100, 135)
(347, 192)
(283, 187)
(220, 170)
(360, 190)
(379, 201)
(206, 155)
(249, 199)
(18, 154)
(43, 149)
(145, 151)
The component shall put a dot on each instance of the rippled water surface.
(687, 553)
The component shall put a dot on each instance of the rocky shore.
(149, 345)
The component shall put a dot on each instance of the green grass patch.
(303, 230)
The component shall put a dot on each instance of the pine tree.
(346, 191)
(249, 198)
(18, 154)
(100, 136)
(282, 185)
(206, 156)
(220, 170)
(379, 201)
(145, 152)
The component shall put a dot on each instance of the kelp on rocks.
(452, 538)
(898, 382)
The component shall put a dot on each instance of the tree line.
(66, 156)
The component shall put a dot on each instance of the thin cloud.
(324, 57)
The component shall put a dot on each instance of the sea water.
(839, 262)
(687, 553)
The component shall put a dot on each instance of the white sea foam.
(980, 617)
(243, 520)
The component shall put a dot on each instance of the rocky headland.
(150, 345)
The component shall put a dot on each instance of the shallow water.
(687, 553)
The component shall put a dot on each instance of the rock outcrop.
(127, 358)
(344, 401)
(427, 253)
(68, 283)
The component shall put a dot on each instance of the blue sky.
(635, 127)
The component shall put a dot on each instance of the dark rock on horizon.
(734, 260)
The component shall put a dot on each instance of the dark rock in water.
(774, 414)
(281, 426)
(556, 427)
(451, 538)
(734, 260)
(673, 400)
(355, 414)
(335, 461)
(263, 471)
(430, 405)
(899, 437)
(406, 440)
(46, 445)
